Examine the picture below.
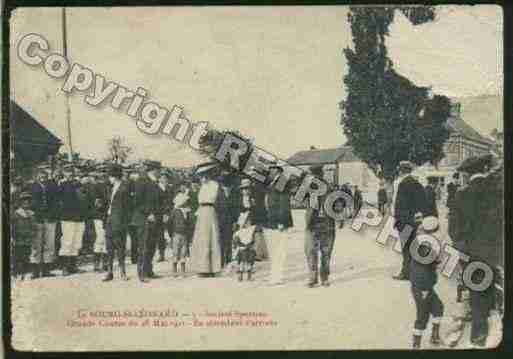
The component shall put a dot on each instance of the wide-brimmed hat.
(205, 168)
(245, 183)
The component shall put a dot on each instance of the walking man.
(319, 239)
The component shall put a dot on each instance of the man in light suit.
(116, 222)
(409, 207)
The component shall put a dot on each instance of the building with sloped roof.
(464, 141)
(341, 165)
(31, 142)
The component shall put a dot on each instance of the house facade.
(341, 165)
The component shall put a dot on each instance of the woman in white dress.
(206, 249)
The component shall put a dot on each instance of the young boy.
(181, 227)
(24, 230)
(423, 278)
(245, 251)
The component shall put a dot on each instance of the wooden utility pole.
(68, 111)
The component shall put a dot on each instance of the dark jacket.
(147, 200)
(410, 199)
(45, 200)
(261, 216)
(119, 216)
(452, 188)
(100, 193)
(316, 220)
(431, 209)
(240, 208)
(75, 204)
(476, 222)
(180, 222)
(278, 209)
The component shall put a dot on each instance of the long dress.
(206, 250)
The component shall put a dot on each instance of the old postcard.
(256, 178)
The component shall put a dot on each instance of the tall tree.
(385, 117)
(118, 150)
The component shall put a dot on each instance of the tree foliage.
(118, 150)
(385, 117)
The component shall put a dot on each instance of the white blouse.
(208, 192)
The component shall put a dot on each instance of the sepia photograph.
(290, 178)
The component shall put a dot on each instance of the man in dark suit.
(116, 222)
(133, 176)
(147, 217)
(410, 204)
(477, 229)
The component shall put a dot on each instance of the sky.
(273, 73)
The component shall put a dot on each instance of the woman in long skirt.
(206, 249)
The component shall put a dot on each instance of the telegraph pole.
(68, 111)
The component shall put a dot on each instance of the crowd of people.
(475, 221)
(218, 220)
(212, 220)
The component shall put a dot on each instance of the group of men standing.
(137, 207)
